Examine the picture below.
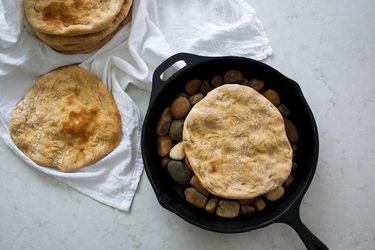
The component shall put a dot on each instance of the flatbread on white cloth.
(67, 120)
(236, 144)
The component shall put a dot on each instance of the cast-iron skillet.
(170, 195)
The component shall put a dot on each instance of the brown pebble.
(164, 122)
(245, 82)
(247, 201)
(194, 99)
(247, 209)
(291, 131)
(233, 76)
(164, 145)
(180, 107)
(216, 81)
(259, 204)
(256, 84)
(228, 209)
(272, 96)
(206, 87)
(275, 194)
(195, 198)
(193, 86)
(165, 161)
(183, 95)
(211, 205)
(195, 183)
(288, 181)
(284, 110)
(294, 166)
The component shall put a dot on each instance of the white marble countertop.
(326, 46)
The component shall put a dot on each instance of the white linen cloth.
(159, 28)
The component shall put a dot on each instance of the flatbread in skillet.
(236, 144)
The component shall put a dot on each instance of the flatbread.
(89, 47)
(67, 120)
(71, 17)
(236, 144)
(94, 38)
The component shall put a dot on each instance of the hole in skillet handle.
(172, 70)
(168, 68)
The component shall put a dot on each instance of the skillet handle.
(157, 83)
(293, 219)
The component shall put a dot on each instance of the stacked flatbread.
(77, 26)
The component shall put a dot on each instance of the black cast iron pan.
(170, 195)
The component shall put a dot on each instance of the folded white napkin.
(159, 28)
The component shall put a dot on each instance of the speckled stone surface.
(326, 46)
